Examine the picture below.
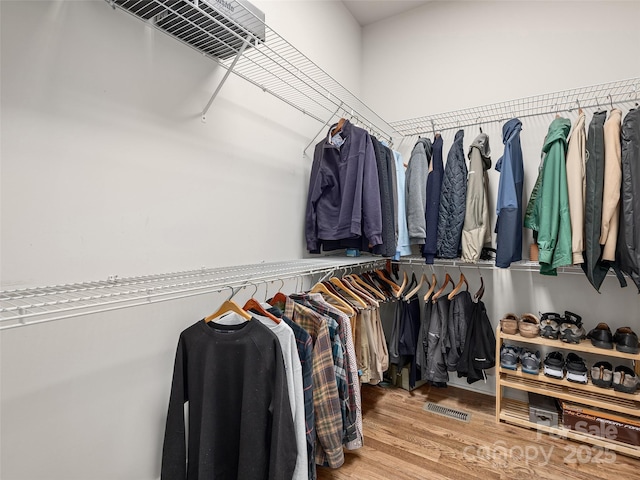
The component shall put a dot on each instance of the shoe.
(509, 324)
(601, 336)
(550, 325)
(624, 380)
(570, 317)
(571, 333)
(529, 325)
(509, 355)
(530, 362)
(554, 364)
(602, 374)
(626, 340)
(576, 369)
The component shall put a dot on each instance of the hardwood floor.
(402, 441)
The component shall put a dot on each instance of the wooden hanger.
(358, 290)
(403, 285)
(279, 298)
(480, 292)
(338, 283)
(422, 281)
(338, 126)
(322, 289)
(458, 287)
(383, 275)
(253, 304)
(434, 284)
(373, 290)
(228, 306)
(447, 280)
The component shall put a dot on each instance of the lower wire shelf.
(517, 413)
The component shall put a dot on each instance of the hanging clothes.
(343, 202)
(612, 184)
(243, 430)
(437, 333)
(452, 201)
(476, 232)
(509, 203)
(479, 352)
(457, 325)
(403, 244)
(629, 234)
(548, 212)
(384, 165)
(422, 342)
(576, 185)
(593, 266)
(416, 188)
(434, 188)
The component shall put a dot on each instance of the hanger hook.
(255, 286)
(233, 292)
(281, 286)
(610, 101)
(578, 103)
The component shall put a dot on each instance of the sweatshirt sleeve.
(283, 449)
(474, 230)
(371, 208)
(297, 407)
(416, 198)
(174, 451)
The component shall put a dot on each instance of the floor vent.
(447, 412)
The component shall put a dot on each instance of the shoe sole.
(621, 388)
(549, 334)
(567, 338)
(553, 373)
(601, 344)
(510, 367)
(601, 383)
(577, 377)
(531, 372)
(626, 349)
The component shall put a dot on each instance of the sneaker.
(530, 362)
(554, 365)
(550, 325)
(626, 340)
(602, 374)
(529, 325)
(576, 369)
(624, 380)
(571, 333)
(601, 336)
(509, 324)
(509, 355)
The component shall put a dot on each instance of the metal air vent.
(214, 27)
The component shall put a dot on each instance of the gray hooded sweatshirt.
(476, 232)
(416, 190)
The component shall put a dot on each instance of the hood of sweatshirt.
(558, 130)
(425, 143)
(511, 128)
(481, 142)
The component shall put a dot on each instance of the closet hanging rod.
(39, 305)
(621, 92)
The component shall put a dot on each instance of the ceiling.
(370, 11)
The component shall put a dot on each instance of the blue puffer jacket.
(453, 201)
(509, 205)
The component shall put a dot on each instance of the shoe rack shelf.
(517, 413)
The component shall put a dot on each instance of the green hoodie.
(548, 209)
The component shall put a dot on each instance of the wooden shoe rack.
(517, 413)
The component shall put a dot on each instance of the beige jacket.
(612, 182)
(576, 184)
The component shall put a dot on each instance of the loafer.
(601, 336)
(530, 362)
(529, 325)
(554, 365)
(626, 340)
(509, 355)
(576, 369)
(550, 325)
(602, 374)
(624, 379)
(571, 333)
(509, 324)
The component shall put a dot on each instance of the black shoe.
(602, 374)
(601, 336)
(576, 369)
(624, 380)
(550, 325)
(626, 340)
(554, 364)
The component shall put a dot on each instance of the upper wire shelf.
(38, 305)
(595, 96)
(218, 29)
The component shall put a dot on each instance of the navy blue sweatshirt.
(434, 188)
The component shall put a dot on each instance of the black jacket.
(479, 351)
(452, 201)
(627, 254)
(388, 247)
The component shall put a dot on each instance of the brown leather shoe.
(509, 324)
(529, 325)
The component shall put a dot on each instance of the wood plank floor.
(402, 441)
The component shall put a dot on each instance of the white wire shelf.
(595, 96)
(45, 304)
(269, 61)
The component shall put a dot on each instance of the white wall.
(108, 169)
(451, 55)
